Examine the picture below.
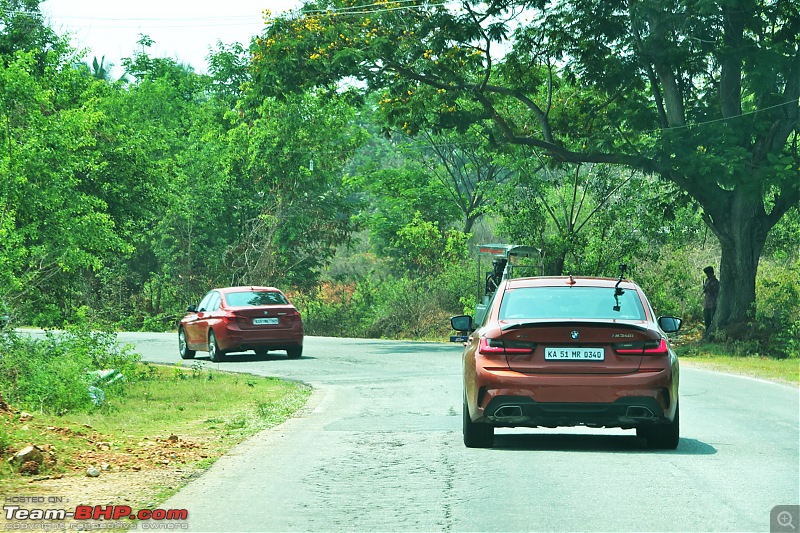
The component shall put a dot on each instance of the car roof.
(574, 281)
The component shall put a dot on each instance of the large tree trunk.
(469, 221)
(741, 225)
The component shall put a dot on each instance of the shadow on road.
(595, 443)
(250, 358)
(397, 347)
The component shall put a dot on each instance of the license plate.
(574, 354)
(261, 321)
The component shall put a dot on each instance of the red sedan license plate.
(574, 354)
(261, 321)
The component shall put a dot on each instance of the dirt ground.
(138, 475)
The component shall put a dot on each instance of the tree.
(100, 69)
(52, 226)
(228, 66)
(284, 167)
(468, 170)
(22, 29)
(702, 93)
(587, 218)
(563, 206)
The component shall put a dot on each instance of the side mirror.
(669, 324)
(191, 309)
(462, 323)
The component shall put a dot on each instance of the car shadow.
(595, 443)
(250, 357)
(401, 347)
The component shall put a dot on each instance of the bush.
(52, 375)
(673, 282)
(337, 309)
(776, 320)
(388, 307)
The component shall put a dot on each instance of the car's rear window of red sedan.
(254, 298)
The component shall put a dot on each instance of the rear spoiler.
(573, 323)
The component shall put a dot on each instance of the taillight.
(652, 347)
(293, 316)
(499, 346)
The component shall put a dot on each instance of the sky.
(183, 30)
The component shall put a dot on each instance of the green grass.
(200, 401)
(207, 411)
(718, 357)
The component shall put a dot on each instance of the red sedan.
(237, 319)
(564, 351)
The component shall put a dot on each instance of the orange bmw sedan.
(570, 351)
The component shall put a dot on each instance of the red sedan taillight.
(499, 346)
(293, 316)
(651, 347)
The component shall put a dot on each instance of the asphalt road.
(378, 448)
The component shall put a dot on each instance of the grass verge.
(718, 357)
(174, 423)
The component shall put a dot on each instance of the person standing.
(710, 294)
(494, 277)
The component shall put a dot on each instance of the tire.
(476, 435)
(183, 347)
(665, 436)
(295, 352)
(214, 352)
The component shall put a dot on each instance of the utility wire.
(368, 8)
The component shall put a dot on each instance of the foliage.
(590, 134)
(52, 224)
(393, 184)
(425, 249)
(287, 158)
(22, 29)
(588, 218)
(776, 320)
(389, 307)
(53, 375)
(673, 282)
(589, 81)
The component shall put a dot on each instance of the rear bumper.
(512, 411)
(277, 339)
(507, 398)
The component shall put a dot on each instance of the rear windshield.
(571, 302)
(252, 298)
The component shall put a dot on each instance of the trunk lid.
(274, 316)
(574, 346)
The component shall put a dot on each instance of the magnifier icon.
(785, 519)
